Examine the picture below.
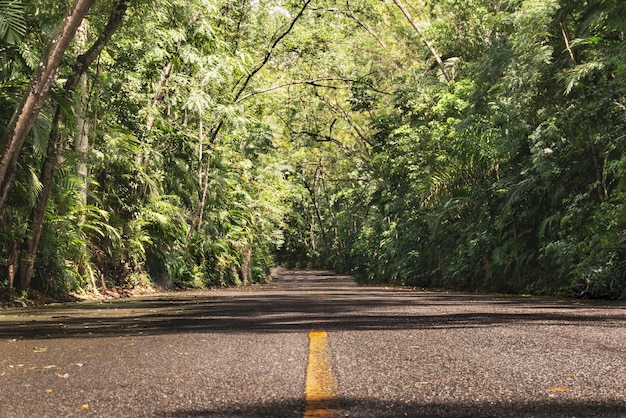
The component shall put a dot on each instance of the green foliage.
(220, 147)
(504, 180)
(12, 23)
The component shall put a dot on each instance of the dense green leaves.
(474, 145)
(505, 179)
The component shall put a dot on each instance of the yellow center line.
(320, 381)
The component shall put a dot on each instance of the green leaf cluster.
(227, 137)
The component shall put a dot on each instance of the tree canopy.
(476, 145)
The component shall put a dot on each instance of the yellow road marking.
(320, 381)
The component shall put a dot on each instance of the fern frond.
(574, 75)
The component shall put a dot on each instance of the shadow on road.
(365, 408)
(300, 301)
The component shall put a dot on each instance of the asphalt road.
(244, 353)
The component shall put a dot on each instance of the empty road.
(314, 344)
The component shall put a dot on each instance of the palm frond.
(12, 22)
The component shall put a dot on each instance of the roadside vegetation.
(476, 145)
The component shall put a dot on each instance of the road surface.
(314, 344)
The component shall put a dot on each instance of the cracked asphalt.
(243, 353)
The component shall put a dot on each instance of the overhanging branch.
(268, 54)
(316, 82)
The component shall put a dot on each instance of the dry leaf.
(40, 349)
(48, 391)
(85, 406)
(79, 364)
(52, 366)
(64, 376)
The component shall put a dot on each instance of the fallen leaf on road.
(63, 376)
(52, 366)
(85, 406)
(40, 349)
(48, 391)
(559, 389)
(2, 374)
(79, 364)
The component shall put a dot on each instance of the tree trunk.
(246, 265)
(81, 142)
(31, 241)
(158, 95)
(203, 180)
(41, 82)
(11, 267)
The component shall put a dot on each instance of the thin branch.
(315, 82)
(426, 42)
(268, 54)
(364, 26)
(346, 117)
(327, 138)
(317, 137)
(567, 43)
(350, 14)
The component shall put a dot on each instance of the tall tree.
(42, 81)
(31, 241)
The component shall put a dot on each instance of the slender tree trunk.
(158, 94)
(203, 181)
(426, 42)
(200, 149)
(317, 213)
(11, 268)
(566, 39)
(203, 174)
(246, 264)
(41, 82)
(81, 141)
(599, 169)
(31, 241)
